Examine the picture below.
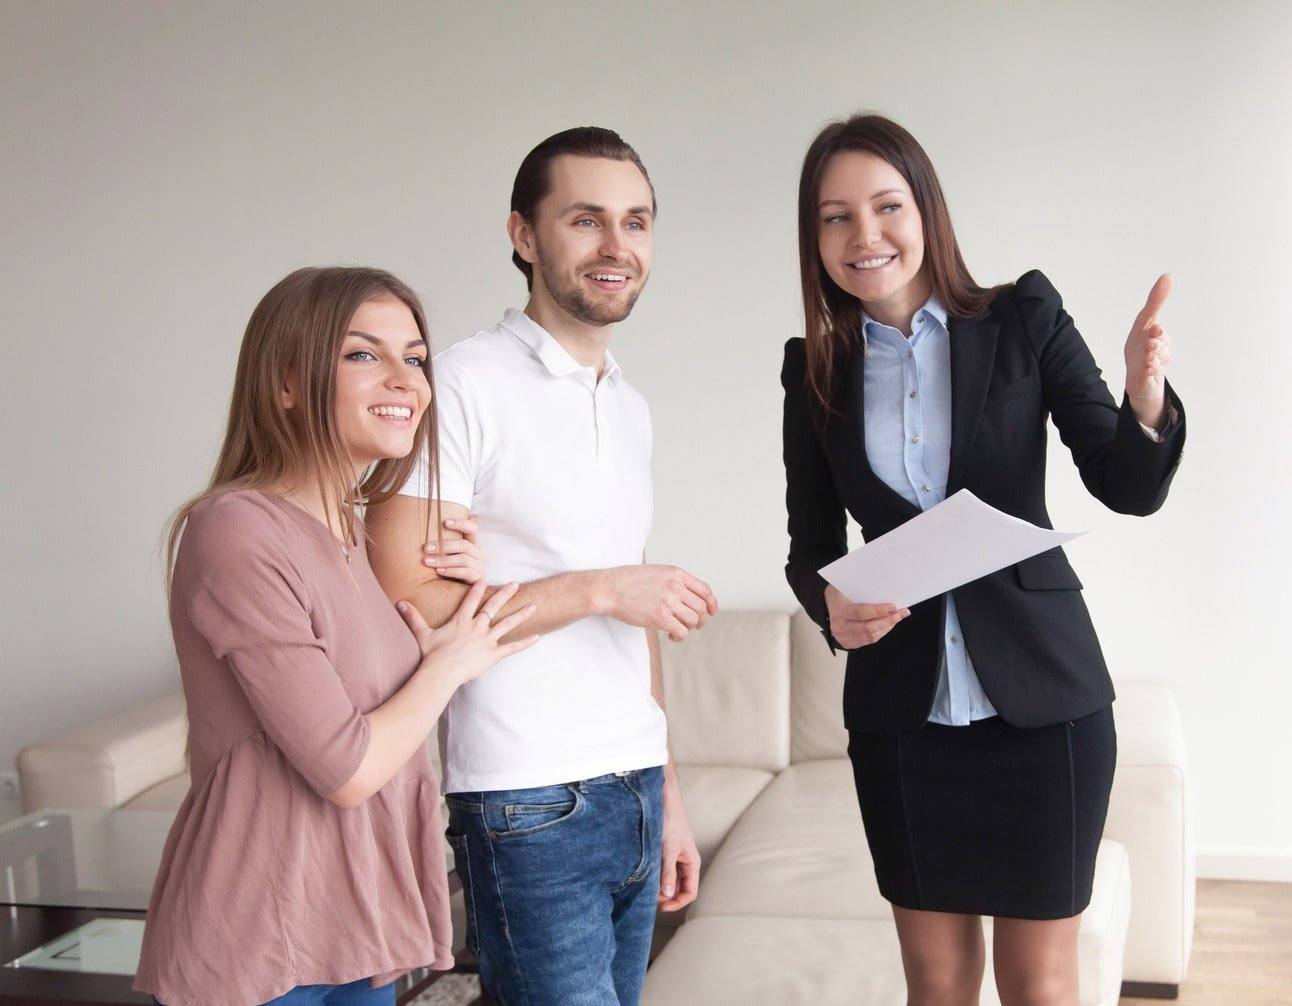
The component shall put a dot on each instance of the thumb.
(1157, 298)
(668, 875)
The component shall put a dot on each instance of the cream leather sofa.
(788, 911)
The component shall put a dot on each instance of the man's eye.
(585, 223)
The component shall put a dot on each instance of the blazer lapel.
(973, 353)
(853, 398)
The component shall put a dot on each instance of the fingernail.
(668, 891)
(906, 612)
(450, 522)
(432, 547)
(401, 606)
(428, 561)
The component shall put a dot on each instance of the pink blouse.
(265, 884)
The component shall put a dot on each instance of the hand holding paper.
(955, 542)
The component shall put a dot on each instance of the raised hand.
(854, 625)
(1148, 351)
(469, 643)
(457, 558)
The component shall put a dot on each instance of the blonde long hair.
(296, 331)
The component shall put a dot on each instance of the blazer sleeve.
(1120, 466)
(816, 521)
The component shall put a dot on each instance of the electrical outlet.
(9, 786)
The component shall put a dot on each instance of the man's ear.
(521, 232)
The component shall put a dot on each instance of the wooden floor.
(1242, 947)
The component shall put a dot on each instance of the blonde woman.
(306, 863)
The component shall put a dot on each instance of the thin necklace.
(341, 545)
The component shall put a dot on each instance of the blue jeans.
(350, 994)
(561, 884)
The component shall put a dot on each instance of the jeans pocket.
(516, 820)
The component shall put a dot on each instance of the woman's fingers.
(502, 627)
(416, 623)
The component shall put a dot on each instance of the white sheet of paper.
(959, 540)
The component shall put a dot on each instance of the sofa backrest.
(816, 694)
(727, 691)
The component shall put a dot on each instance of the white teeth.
(607, 277)
(398, 411)
(874, 263)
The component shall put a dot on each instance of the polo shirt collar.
(551, 353)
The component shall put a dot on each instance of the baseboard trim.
(1150, 990)
(1245, 864)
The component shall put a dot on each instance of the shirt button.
(913, 394)
(925, 487)
(915, 439)
(955, 639)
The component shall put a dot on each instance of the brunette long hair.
(297, 330)
(832, 316)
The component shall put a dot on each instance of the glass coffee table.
(74, 890)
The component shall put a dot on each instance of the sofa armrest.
(108, 762)
(1150, 812)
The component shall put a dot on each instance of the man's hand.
(659, 597)
(679, 872)
(854, 625)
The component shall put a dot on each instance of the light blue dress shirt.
(908, 444)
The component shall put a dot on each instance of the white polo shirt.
(557, 467)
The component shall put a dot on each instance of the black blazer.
(1026, 627)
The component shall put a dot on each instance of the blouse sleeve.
(238, 585)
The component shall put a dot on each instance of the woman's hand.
(457, 558)
(854, 625)
(468, 644)
(1148, 351)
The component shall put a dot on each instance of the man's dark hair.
(534, 177)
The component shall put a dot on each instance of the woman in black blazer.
(979, 722)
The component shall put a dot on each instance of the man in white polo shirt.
(564, 811)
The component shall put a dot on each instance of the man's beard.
(578, 305)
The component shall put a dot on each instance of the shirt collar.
(551, 353)
(931, 306)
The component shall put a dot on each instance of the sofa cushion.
(800, 850)
(715, 796)
(719, 959)
(816, 694)
(781, 961)
(728, 692)
(166, 795)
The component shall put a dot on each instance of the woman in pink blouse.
(306, 863)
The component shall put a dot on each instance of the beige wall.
(165, 163)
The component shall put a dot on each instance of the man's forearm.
(558, 600)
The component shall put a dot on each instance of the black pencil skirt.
(987, 819)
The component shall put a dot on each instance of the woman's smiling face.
(871, 236)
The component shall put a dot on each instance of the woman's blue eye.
(835, 218)
(360, 354)
(890, 207)
(416, 361)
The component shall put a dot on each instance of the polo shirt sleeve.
(237, 584)
(458, 414)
